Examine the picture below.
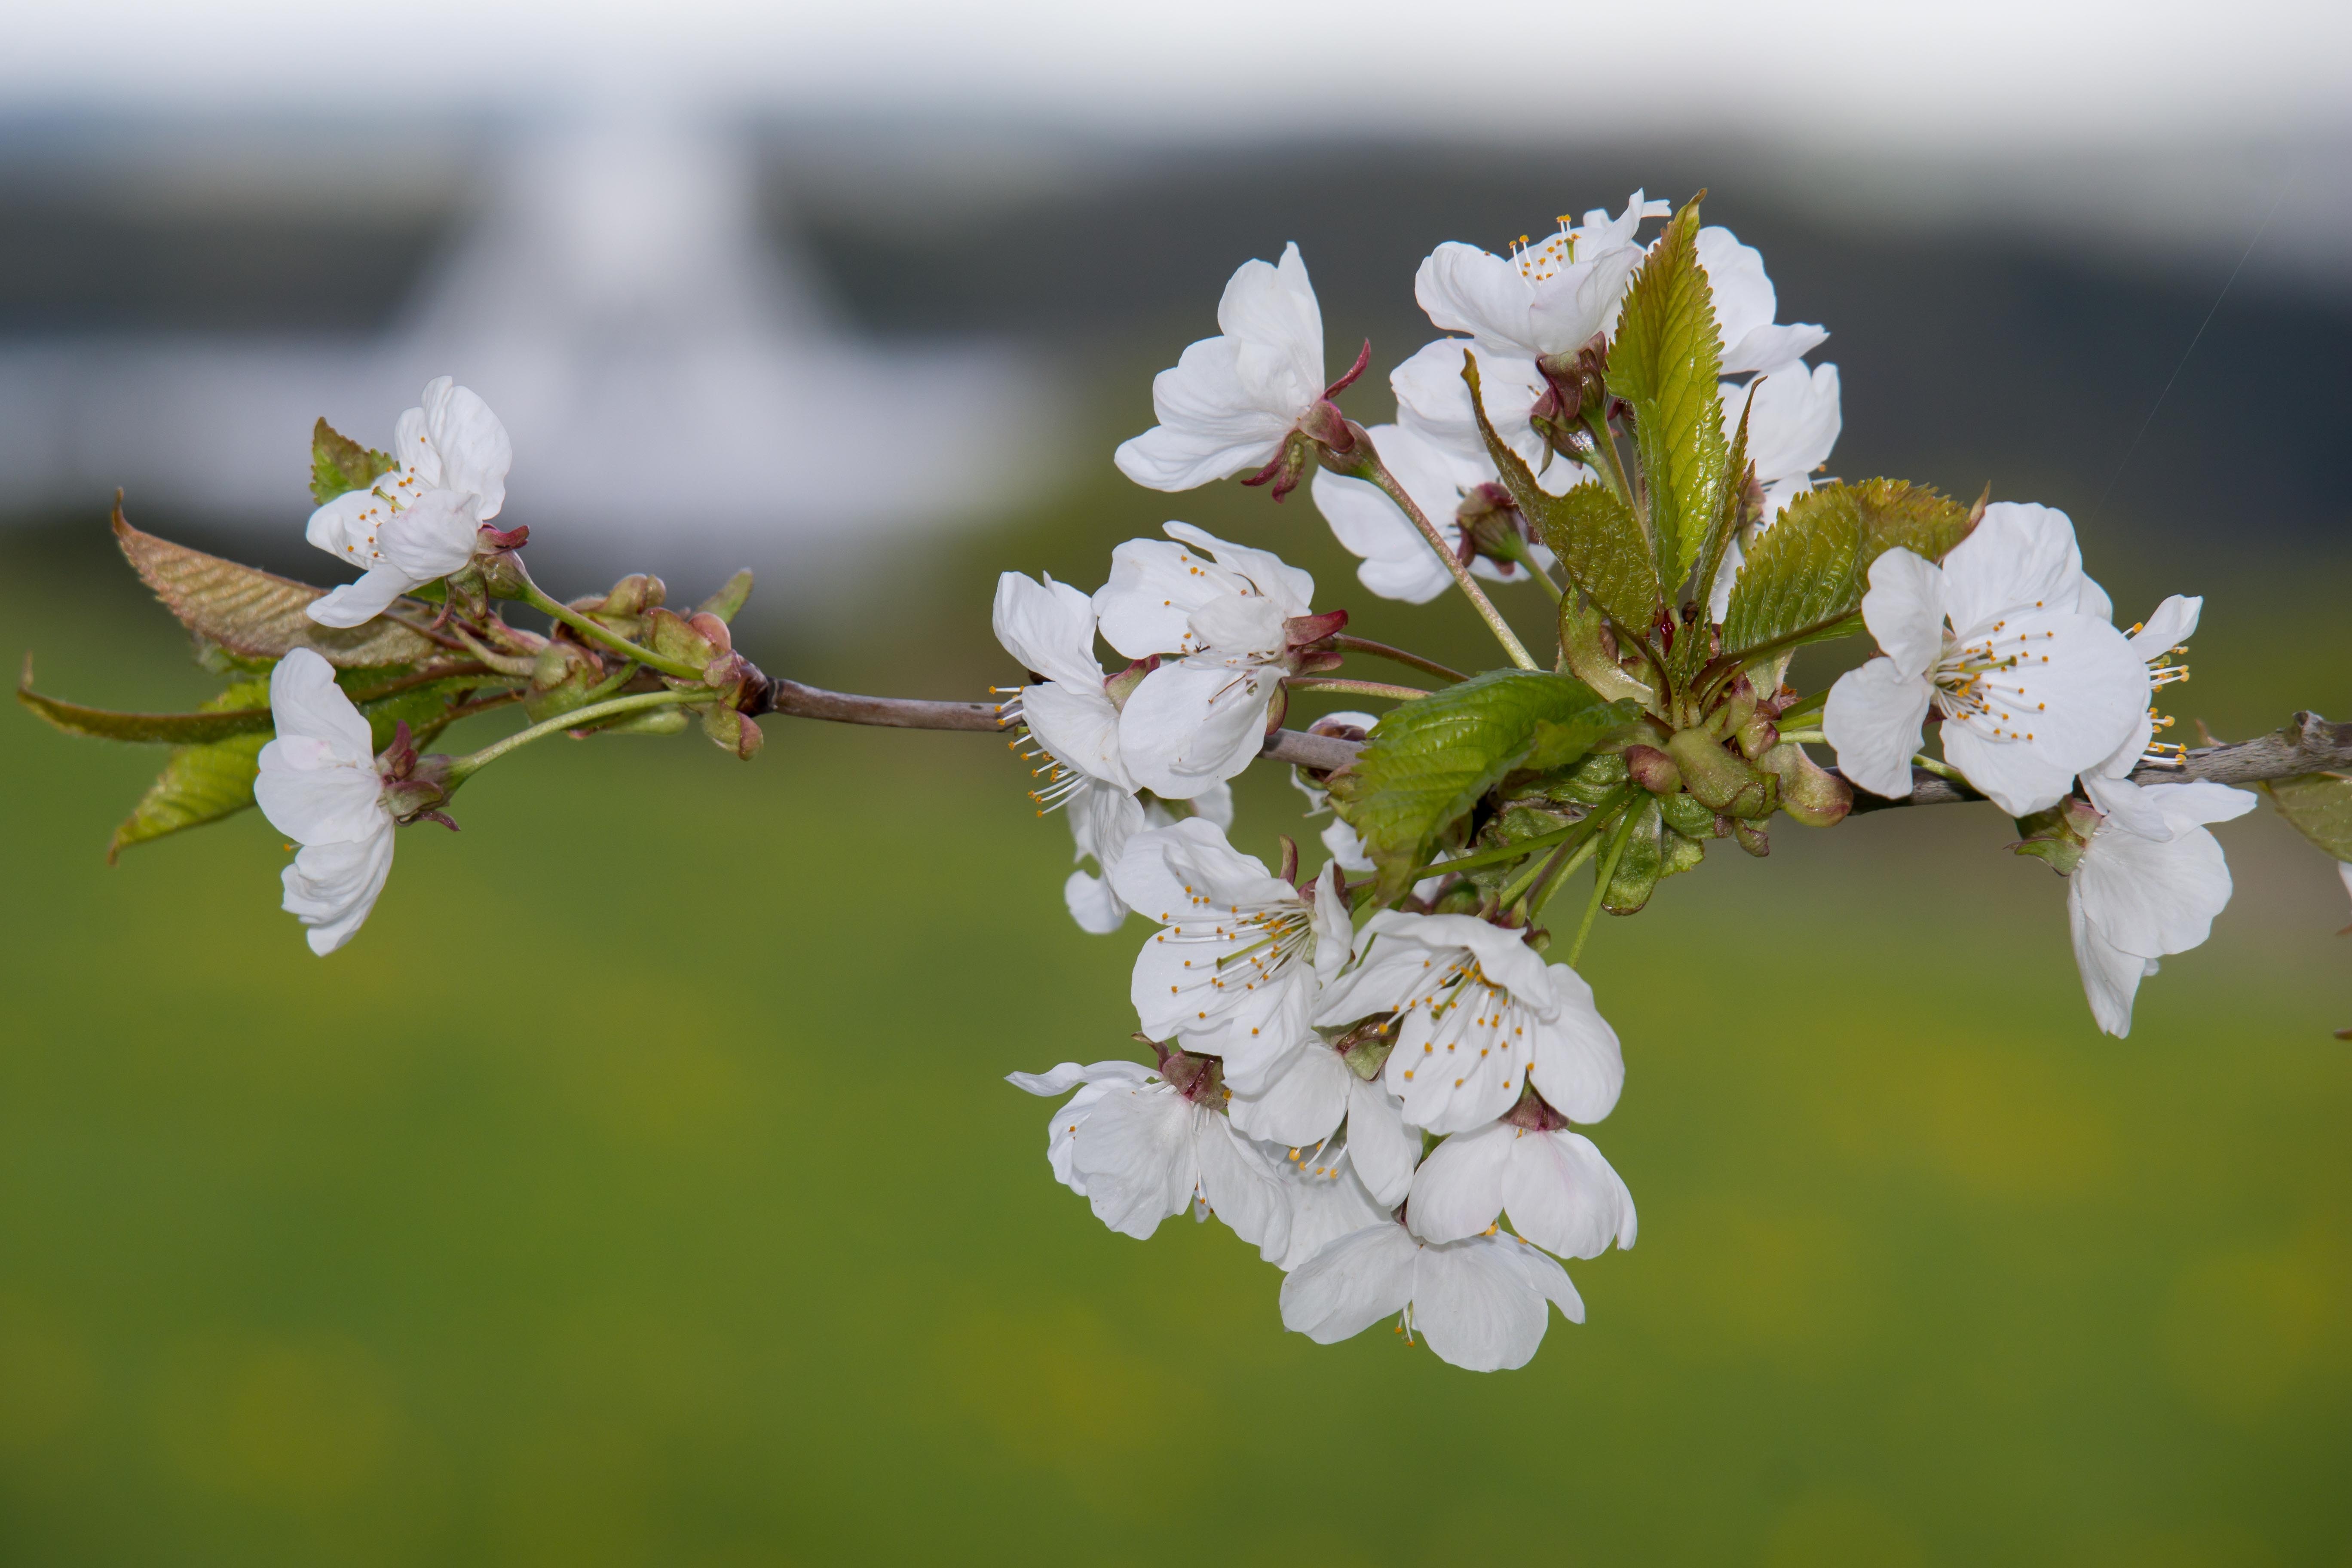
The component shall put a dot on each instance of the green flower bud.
(1809, 791)
(1720, 780)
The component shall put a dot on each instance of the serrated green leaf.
(2319, 805)
(258, 614)
(339, 465)
(1802, 572)
(1666, 360)
(1601, 547)
(201, 784)
(1804, 577)
(1428, 760)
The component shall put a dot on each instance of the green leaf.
(201, 784)
(1428, 760)
(2320, 807)
(1802, 574)
(428, 708)
(1601, 547)
(339, 465)
(176, 728)
(1666, 360)
(1804, 577)
(732, 596)
(259, 614)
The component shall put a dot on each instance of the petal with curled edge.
(1561, 1195)
(1385, 1151)
(1304, 1100)
(433, 536)
(1239, 1185)
(356, 604)
(471, 444)
(2019, 556)
(1580, 1067)
(332, 888)
(1137, 1151)
(1465, 289)
(1155, 585)
(1271, 312)
(1477, 1305)
(1210, 428)
(1350, 1284)
(1187, 729)
(1873, 721)
(1049, 626)
(1291, 589)
(305, 702)
(1327, 1200)
(1794, 416)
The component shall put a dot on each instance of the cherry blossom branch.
(2309, 744)
(1371, 649)
(538, 599)
(1370, 467)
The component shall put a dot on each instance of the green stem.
(465, 767)
(1540, 893)
(1355, 688)
(1803, 737)
(1525, 559)
(1591, 822)
(1941, 770)
(537, 600)
(1601, 877)
(1375, 470)
(1371, 649)
(1612, 466)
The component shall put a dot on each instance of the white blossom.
(1478, 1017)
(319, 785)
(1433, 404)
(1074, 725)
(1310, 1098)
(1232, 401)
(417, 522)
(1480, 1303)
(1558, 1190)
(1542, 300)
(1329, 1199)
(1398, 562)
(1218, 626)
(1241, 955)
(2132, 899)
(2033, 692)
(1140, 1150)
(1745, 304)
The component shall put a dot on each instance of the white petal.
(356, 604)
(1350, 1284)
(1302, 1104)
(1078, 725)
(1458, 1190)
(1477, 1304)
(1136, 1151)
(1385, 1151)
(1905, 610)
(1155, 585)
(1092, 904)
(1579, 1068)
(1466, 289)
(1793, 419)
(1186, 729)
(1049, 626)
(2111, 976)
(2172, 623)
(1582, 300)
(2066, 692)
(1873, 721)
(2127, 805)
(471, 444)
(1291, 589)
(345, 527)
(1271, 312)
(304, 701)
(1563, 1196)
(433, 536)
(1327, 1200)
(332, 887)
(2019, 557)
(1772, 345)
(1239, 1185)
(1103, 818)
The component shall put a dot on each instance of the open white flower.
(2132, 899)
(1433, 404)
(416, 523)
(1139, 1148)
(1559, 1191)
(1745, 304)
(1232, 401)
(1312, 1096)
(1241, 956)
(1794, 416)
(2109, 786)
(1478, 1017)
(1329, 1199)
(1399, 564)
(1074, 725)
(1480, 1303)
(1220, 626)
(319, 785)
(1542, 300)
(2031, 690)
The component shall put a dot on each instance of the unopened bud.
(560, 678)
(1809, 791)
(1653, 770)
(1752, 839)
(2059, 836)
(1720, 781)
(732, 731)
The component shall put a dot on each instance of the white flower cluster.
(1370, 1107)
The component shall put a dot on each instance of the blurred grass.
(640, 1187)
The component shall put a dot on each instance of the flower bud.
(1688, 817)
(2059, 836)
(623, 608)
(1752, 839)
(1639, 866)
(1653, 770)
(1720, 780)
(1809, 791)
(560, 678)
(730, 731)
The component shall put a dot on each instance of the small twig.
(1366, 646)
(1380, 689)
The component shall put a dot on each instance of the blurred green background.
(641, 1187)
